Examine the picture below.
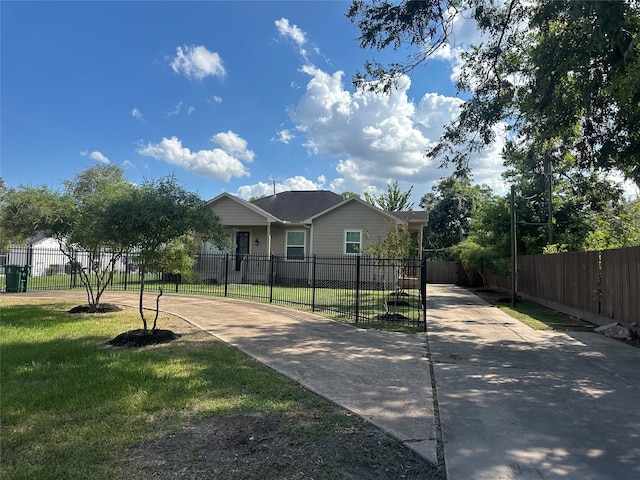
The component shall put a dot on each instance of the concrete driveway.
(517, 403)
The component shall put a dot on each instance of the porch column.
(268, 238)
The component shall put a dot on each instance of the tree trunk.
(155, 320)
(141, 308)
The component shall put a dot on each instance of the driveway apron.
(517, 403)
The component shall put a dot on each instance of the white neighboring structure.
(45, 258)
(41, 254)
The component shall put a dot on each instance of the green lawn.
(535, 315)
(338, 302)
(71, 406)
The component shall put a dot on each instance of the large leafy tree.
(615, 228)
(451, 204)
(491, 226)
(557, 206)
(28, 210)
(77, 216)
(158, 220)
(558, 74)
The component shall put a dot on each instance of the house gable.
(235, 212)
(330, 227)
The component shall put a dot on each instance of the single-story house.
(295, 225)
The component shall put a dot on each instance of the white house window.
(352, 241)
(295, 245)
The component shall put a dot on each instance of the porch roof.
(414, 217)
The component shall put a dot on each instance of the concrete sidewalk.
(514, 403)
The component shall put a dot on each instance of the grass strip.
(535, 315)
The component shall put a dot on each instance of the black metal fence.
(355, 288)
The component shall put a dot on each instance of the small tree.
(159, 220)
(395, 245)
(475, 257)
(77, 217)
(91, 192)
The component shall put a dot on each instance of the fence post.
(30, 258)
(226, 273)
(313, 284)
(71, 269)
(358, 258)
(271, 275)
(126, 268)
(423, 290)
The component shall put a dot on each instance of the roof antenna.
(274, 187)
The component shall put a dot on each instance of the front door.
(242, 247)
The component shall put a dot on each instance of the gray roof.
(297, 206)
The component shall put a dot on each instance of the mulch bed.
(390, 317)
(143, 338)
(102, 308)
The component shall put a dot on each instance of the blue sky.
(228, 96)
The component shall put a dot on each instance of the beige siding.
(277, 240)
(259, 234)
(328, 230)
(232, 214)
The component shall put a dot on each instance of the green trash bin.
(12, 278)
(16, 278)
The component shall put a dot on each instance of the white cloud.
(378, 139)
(284, 136)
(234, 144)
(99, 157)
(262, 189)
(175, 111)
(291, 31)
(294, 33)
(197, 62)
(190, 110)
(221, 163)
(96, 155)
(135, 113)
(377, 134)
(215, 99)
(487, 167)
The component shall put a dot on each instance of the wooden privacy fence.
(601, 287)
(443, 271)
